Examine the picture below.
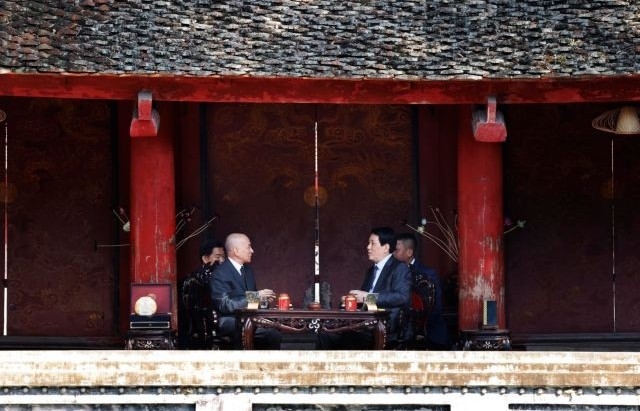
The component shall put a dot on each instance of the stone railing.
(308, 380)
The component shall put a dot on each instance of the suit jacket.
(436, 328)
(393, 288)
(227, 292)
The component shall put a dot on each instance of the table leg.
(379, 336)
(248, 331)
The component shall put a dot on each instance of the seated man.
(229, 282)
(390, 279)
(212, 252)
(434, 327)
(196, 320)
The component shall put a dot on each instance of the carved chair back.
(201, 317)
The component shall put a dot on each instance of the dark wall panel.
(626, 189)
(560, 267)
(262, 176)
(59, 206)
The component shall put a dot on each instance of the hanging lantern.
(624, 120)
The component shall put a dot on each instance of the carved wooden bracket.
(146, 120)
(489, 127)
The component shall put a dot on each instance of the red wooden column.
(480, 225)
(153, 219)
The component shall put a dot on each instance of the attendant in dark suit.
(435, 332)
(212, 252)
(388, 277)
(229, 282)
(195, 297)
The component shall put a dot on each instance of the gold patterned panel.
(559, 268)
(60, 183)
(262, 167)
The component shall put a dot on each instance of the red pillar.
(153, 219)
(480, 226)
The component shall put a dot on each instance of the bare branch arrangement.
(122, 216)
(509, 226)
(445, 235)
(442, 234)
(182, 219)
(196, 232)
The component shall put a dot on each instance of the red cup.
(350, 303)
(283, 302)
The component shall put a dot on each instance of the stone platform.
(308, 380)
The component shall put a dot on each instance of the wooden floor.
(603, 342)
(599, 342)
(61, 343)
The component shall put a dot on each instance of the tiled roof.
(407, 39)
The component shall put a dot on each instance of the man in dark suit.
(212, 252)
(435, 331)
(195, 298)
(229, 282)
(390, 279)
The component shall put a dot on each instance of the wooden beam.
(337, 91)
(145, 121)
(488, 126)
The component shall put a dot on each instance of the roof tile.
(439, 39)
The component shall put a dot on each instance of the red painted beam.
(480, 226)
(338, 91)
(145, 121)
(489, 126)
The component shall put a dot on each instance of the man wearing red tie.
(390, 279)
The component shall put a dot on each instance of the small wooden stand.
(485, 339)
(150, 327)
(150, 340)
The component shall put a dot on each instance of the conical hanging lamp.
(623, 120)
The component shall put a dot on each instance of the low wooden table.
(312, 321)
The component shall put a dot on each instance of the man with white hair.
(229, 282)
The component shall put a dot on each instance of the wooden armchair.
(413, 320)
(200, 316)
